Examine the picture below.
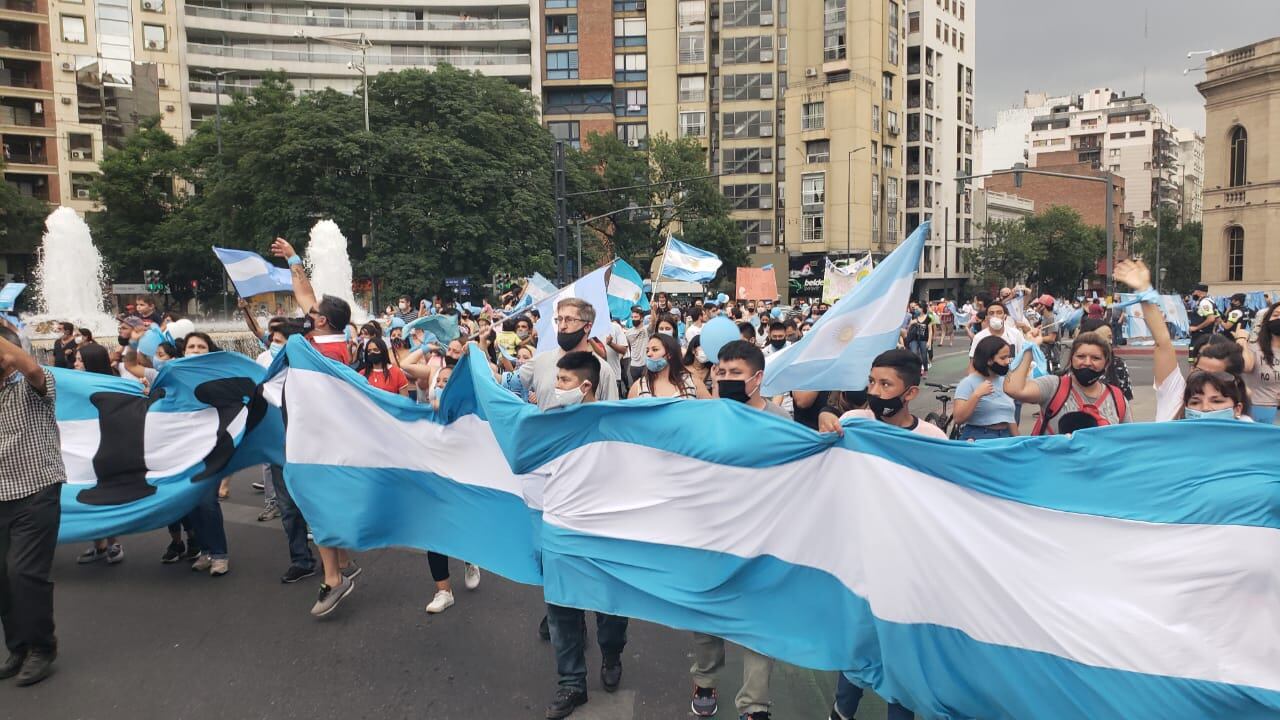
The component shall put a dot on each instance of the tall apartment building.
(940, 136)
(1190, 175)
(1125, 135)
(115, 64)
(1241, 90)
(319, 46)
(1005, 144)
(28, 131)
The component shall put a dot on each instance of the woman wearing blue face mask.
(1215, 396)
(664, 372)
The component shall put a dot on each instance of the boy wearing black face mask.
(893, 383)
(777, 338)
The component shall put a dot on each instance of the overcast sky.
(1069, 47)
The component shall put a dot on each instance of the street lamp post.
(1110, 210)
(217, 132)
(848, 227)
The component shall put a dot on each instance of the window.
(80, 146)
(562, 29)
(747, 49)
(629, 32)
(813, 189)
(557, 4)
(153, 5)
(748, 160)
(1235, 254)
(1117, 136)
(73, 29)
(887, 83)
(693, 48)
(751, 86)
(562, 65)
(913, 22)
(749, 197)
(875, 153)
(633, 134)
(757, 232)
(962, 11)
(1138, 133)
(153, 37)
(813, 116)
(746, 13)
(892, 121)
(748, 124)
(567, 131)
(693, 124)
(1113, 152)
(811, 230)
(576, 101)
(888, 156)
(961, 42)
(628, 5)
(937, 29)
(81, 183)
(1239, 157)
(691, 13)
(632, 67)
(693, 88)
(875, 118)
(817, 151)
(630, 103)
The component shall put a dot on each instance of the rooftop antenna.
(1145, 49)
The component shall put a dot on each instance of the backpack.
(1060, 398)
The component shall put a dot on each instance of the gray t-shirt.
(1264, 381)
(1106, 404)
(539, 375)
(774, 409)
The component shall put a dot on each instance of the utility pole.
(562, 214)
(1158, 165)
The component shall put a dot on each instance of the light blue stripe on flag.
(688, 263)
(9, 294)
(626, 290)
(837, 353)
(252, 274)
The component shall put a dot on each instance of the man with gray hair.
(573, 320)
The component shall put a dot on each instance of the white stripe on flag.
(884, 314)
(1100, 591)
(681, 261)
(247, 269)
(624, 288)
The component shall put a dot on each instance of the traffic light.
(195, 285)
(153, 282)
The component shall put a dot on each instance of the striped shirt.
(30, 447)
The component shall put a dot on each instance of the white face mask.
(996, 324)
(569, 398)
(700, 355)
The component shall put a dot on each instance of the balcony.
(913, 102)
(20, 116)
(517, 63)
(913, 168)
(26, 6)
(27, 157)
(1234, 197)
(913, 68)
(488, 25)
(18, 78)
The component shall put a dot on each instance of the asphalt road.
(143, 640)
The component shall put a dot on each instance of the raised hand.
(282, 249)
(1134, 273)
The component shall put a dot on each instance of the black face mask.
(733, 390)
(1086, 375)
(855, 398)
(308, 324)
(778, 344)
(569, 340)
(884, 407)
(374, 359)
(998, 369)
(1273, 326)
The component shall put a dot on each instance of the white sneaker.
(441, 602)
(471, 576)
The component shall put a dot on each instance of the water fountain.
(329, 266)
(71, 278)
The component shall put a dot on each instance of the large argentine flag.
(837, 353)
(372, 469)
(688, 263)
(590, 287)
(136, 462)
(536, 289)
(1092, 576)
(252, 274)
(626, 290)
(9, 294)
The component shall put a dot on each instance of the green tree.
(1071, 250)
(21, 221)
(1179, 252)
(670, 178)
(1008, 254)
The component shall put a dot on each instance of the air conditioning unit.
(68, 67)
(766, 18)
(66, 100)
(148, 5)
(161, 82)
(766, 56)
(37, 107)
(893, 129)
(766, 131)
(633, 142)
(766, 203)
(78, 154)
(152, 44)
(641, 6)
(766, 92)
(82, 194)
(811, 72)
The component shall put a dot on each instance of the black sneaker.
(37, 666)
(173, 553)
(12, 665)
(192, 554)
(705, 703)
(295, 573)
(565, 702)
(611, 673)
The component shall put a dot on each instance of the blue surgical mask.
(276, 348)
(1223, 414)
(655, 364)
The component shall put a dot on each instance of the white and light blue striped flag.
(589, 287)
(836, 353)
(536, 289)
(626, 290)
(252, 274)
(688, 263)
(9, 294)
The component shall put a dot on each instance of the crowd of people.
(653, 353)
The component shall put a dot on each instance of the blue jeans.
(1263, 414)
(206, 521)
(295, 526)
(975, 432)
(849, 695)
(920, 349)
(569, 638)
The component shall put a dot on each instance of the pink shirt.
(927, 429)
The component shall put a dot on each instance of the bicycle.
(943, 419)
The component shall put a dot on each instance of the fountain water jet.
(329, 266)
(71, 277)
